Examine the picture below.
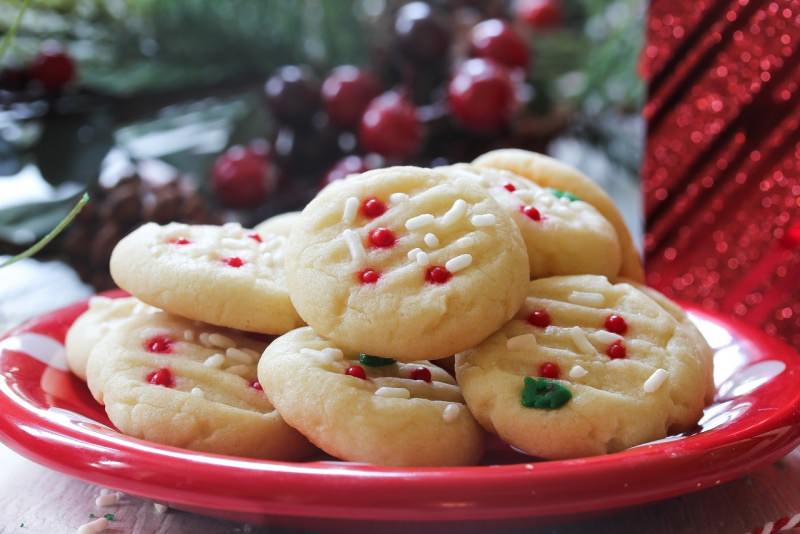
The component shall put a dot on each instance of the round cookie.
(101, 317)
(222, 275)
(563, 236)
(551, 173)
(406, 263)
(278, 224)
(177, 382)
(361, 408)
(587, 367)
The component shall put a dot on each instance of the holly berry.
(617, 324)
(539, 14)
(549, 370)
(292, 94)
(307, 149)
(421, 33)
(162, 377)
(481, 95)
(531, 212)
(159, 344)
(242, 177)
(497, 40)
(390, 126)
(381, 237)
(437, 275)
(369, 276)
(52, 68)
(346, 93)
(421, 373)
(373, 207)
(539, 318)
(616, 350)
(345, 167)
(356, 371)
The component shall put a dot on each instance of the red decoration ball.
(234, 261)
(481, 95)
(255, 384)
(356, 371)
(549, 370)
(539, 318)
(381, 237)
(437, 274)
(539, 14)
(52, 68)
(497, 40)
(369, 276)
(162, 377)
(373, 207)
(421, 373)
(531, 212)
(616, 350)
(390, 126)
(617, 324)
(346, 93)
(159, 344)
(242, 177)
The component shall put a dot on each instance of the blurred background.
(208, 111)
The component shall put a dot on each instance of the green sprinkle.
(374, 361)
(563, 194)
(110, 517)
(22, 525)
(544, 394)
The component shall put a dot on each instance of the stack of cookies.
(517, 265)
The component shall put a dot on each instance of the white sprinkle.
(160, 508)
(197, 392)
(656, 380)
(586, 298)
(397, 198)
(457, 211)
(241, 370)
(423, 259)
(229, 242)
(350, 210)
(188, 335)
(605, 337)
(93, 527)
(459, 263)
(106, 500)
(239, 356)
(451, 412)
(465, 242)
(223, 342)
(215, 360)
(577, 372)
(486, 219)
(523, 342)
(231, 226)
(398, 393)
(431, 240)
(412, 254)
(471, 176)
(332, 353)
(581, 341)
(354, 244)
(420, 221)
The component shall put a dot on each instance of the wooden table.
(36, 500)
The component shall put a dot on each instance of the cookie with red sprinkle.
(588, 367)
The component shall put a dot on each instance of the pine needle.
(8, 38)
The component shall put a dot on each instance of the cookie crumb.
(398, 393)
(656, 380)
(451, 412)
(586, 298)
(577, 372)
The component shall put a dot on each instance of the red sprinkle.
(539, 318)
(162, 377)
(369, 276)
(437, 274)
(180, 241)
(255, 237)
(234, 261)
(508, 186)
(616, 323)
(616, 351)
(531, 212)
(159, 344)
(421, 373)
(255, 384)
(381, 237)
(372, 207)
(356, 371)
(549, 370)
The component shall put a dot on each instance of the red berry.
(496, 39)
(242, 177)
(421, 33)
(616, 350)
(531, 212)
(159, 344)
(390, 126)
(539, 14)
(373, 207)
(791, 236)
(549, 370)
(369, 276)
(255, 237)
(344, 168)
(481, 95)
(421, 373)
(292, 94)
(53, 68)
(255, 384)
(347, 92)
(508, 186)
(539, 318)
(180, 241)
(437, 275)
(162, 377)
(381, 237)
(616, 323)
(233, 261)
(356, 371)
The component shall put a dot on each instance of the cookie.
(406, 263)
(221, 275)
(278, 224)
(101, 317)
(562, 236)
(362, 408)
(177, 382)
(568, 183)
(587, 367)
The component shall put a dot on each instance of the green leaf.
(8, 38)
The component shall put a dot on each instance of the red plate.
(47, 415)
